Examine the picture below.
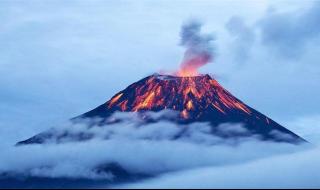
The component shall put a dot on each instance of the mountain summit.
(195, 99)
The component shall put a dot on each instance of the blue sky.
(60, 59)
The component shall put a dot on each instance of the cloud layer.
(150, 149)
(298, 170)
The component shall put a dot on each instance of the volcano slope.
(195, 99)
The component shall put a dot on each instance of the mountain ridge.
(196, 99)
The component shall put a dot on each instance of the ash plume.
(199, 48)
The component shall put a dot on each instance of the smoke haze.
(199, 47)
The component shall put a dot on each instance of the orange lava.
(190, 96)
(115, 99)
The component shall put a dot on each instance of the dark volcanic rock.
(195, 99)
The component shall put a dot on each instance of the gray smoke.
(199, 47)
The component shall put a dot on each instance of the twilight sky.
(60, 59)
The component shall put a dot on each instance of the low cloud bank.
(150, 149)
(297, 170)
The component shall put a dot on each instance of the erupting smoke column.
(199, 50)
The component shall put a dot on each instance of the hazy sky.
(59, 59)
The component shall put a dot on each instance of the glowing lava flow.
(191, 96)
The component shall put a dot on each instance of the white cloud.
(149, 149)
(297, 170)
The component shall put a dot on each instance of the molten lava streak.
(190, 96)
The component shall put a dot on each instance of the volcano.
(195, 98)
